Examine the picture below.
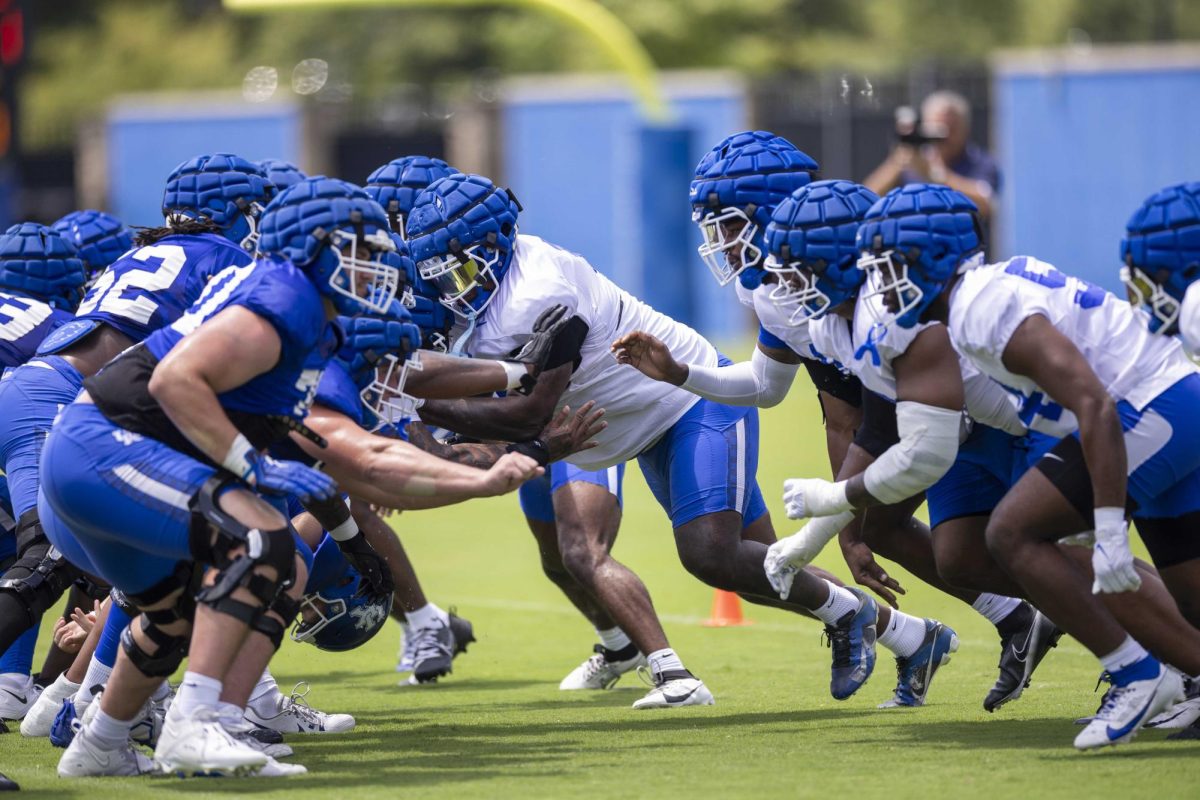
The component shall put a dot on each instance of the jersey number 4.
(126, 295)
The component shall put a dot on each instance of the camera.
(911, 130)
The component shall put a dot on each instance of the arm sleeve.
(762, 381)
(927, 449)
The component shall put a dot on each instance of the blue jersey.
(338, 391)
(150, 287)
(284, 296)
(24, 323)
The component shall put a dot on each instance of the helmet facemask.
(385, 397)
(463, 272)
(316, 613)
(796, 292)
(1146, 293)
(727, 231)
(888, 274)
(361, 278)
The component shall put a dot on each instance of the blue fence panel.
(148, 139)
(574, 155)
(1082, 141)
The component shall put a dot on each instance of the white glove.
(1111, 559)
(814, 497)
(1086, 539)
(788, 556)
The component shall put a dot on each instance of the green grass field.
(499, 727)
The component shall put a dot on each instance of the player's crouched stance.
(154, 475)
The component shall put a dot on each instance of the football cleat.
(852, 640)
(65, 724)
(277, 769)
(84, 758)
(294, 715)
(1025, 638)
(408, 650)
(41, 716)
(7, 784)
(435, 647)
(18, 694)
(675, 689)
(199, 745)
(1104, 678)
(246, 733)
(1140, 692)
(1181, 715)
(915, 673)
(602, 669)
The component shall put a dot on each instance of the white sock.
(664, 660)
(613, 639)
(995, 607)
(841, 601)
(197, 692)
(93, 681)
(108, 732)
(903, 634)
(62, 688)
(1130, 652)
(229, 713)
(426, 616)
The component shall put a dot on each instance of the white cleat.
(407, 657)
(243, 731)
(18, 694)
(84, 758)
(676, 692)
(277, 769)
(598, 672)
(198, 745)
(294, 715)
(41, 716)
(1128, 707)
(1179, 716)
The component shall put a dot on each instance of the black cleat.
(265, 735)
(8, 784)
(437, 646)
(1190, 732)
(1026, 635)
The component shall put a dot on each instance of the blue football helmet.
(914, 240)
(338, 235)
(1161, 253)
(396, 184)
(737, 186)
(99, 239)
(811, 247)
(380, 350)
(341, 617)
(280, 173)
(462, 231)
(224, 189)
(39, 262)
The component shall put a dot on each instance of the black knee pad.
(1171, 541)
(40, 575)
(273, 629)
(215, 533)
(169, 649)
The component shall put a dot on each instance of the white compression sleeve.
(762, 381)
(927, 448)
(990, 403)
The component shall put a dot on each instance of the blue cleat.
(915, 673)
(62, 730)
(853, 643)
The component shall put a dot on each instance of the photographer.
(933, 147)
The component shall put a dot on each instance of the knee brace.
(40, 574)
(273, 629)
(169, 649)
(214, 533)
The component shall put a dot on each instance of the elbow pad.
(762, 381)
(927, 448)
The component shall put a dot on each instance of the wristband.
(239, 460)
(346, 530)
(1109, 519)
(534, 448)
(516, 374)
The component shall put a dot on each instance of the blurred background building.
(1086, 105)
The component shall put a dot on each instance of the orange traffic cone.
(726, 611)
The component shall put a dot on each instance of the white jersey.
(868, 348)
(638, 409)
(992, 301)
(1189, 320)
(775, 322)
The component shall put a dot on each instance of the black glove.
(556, 340)
(376, 577)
